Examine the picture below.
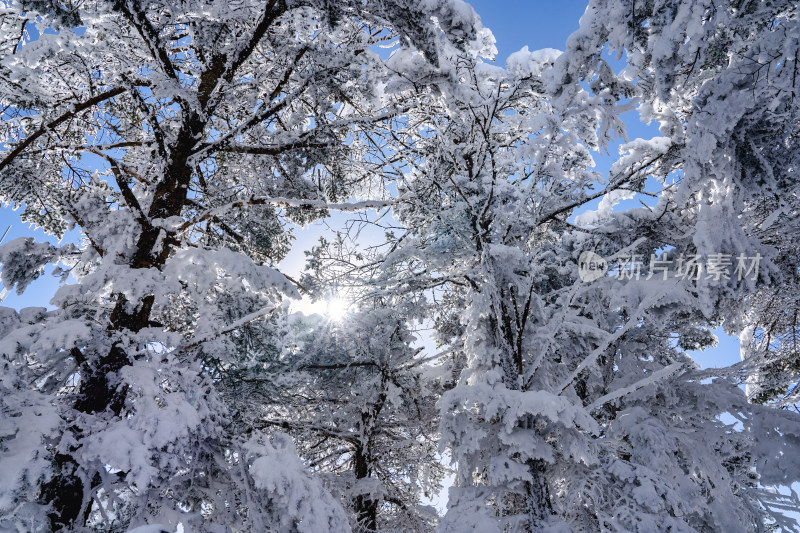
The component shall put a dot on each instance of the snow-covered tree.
(720, 78)
(356, 395)
(181, 140)
(576, 407)
(170, 383)
(362, 411)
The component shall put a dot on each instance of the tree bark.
(539, 507)
(366, 508)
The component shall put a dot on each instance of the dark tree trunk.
(100, 390)
(539, 507)
(366, 508)
(64, 493)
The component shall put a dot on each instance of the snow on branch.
(632, 322)
(642, 383)
(295, 202)
(102, 97)
(247, 319)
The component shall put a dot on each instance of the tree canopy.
(512, 334)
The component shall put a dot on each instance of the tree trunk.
(539, 507)
(100, 388)
(366, 508)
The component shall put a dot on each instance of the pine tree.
(362, 408)
(721, 81)
(181, 140)
(576, 408)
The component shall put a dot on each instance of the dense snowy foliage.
(575, 408)
(181, 139)
(170, 384)
(721, 79)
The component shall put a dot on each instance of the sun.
(336, 308)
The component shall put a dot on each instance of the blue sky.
(515, 23)
(532, 23)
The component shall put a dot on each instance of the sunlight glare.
(336, 308)
(333, 309)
